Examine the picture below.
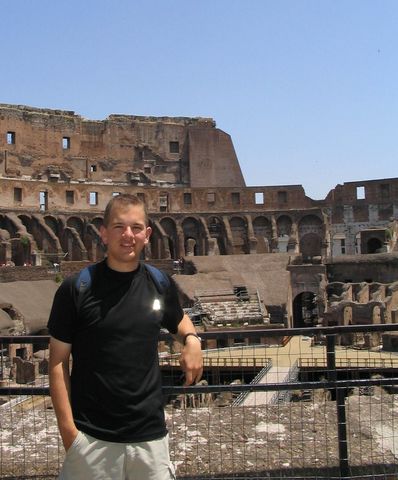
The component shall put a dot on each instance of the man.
(109, 409)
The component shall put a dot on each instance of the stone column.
(164, 237)
(250, 234)
(180, 240)
(228, 232)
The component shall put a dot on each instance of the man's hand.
(191, 360)
(68, 437)
(60, 390)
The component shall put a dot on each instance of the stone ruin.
(58, 170)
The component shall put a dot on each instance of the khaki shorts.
(92, 459)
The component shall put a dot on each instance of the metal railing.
(336, 418)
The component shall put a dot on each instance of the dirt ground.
(288, 440)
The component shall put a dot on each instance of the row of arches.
(242, 235)
(78, 237)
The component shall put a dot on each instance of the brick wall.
(14, 274)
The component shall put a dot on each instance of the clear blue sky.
(308, 90)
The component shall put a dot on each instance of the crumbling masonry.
(58, 171)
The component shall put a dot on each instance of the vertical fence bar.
(340, 406)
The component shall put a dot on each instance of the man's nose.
(128, 231)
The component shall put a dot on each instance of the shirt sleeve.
(63, 312)
(173, 311)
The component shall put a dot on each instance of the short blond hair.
(123, 200)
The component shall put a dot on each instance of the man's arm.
(60, 390)
(191, 359)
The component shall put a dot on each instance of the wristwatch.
(193, 335)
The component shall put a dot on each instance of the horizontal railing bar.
(24, 391)
(271, 332)
(264, 387)
(260, 387)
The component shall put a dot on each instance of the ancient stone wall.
(380, 268)
(58, 171)
(15, 274)
(60, 145)
(84, 196)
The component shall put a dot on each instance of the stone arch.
(310, 224)
(216, 229)
(25, 245)
(156, 248)
(240, 240)
(262, 228)
(77, 223)
(97, 222)
(284, 225)
(53, 223)
(170, 229)
(27, 222)
(73, 245)
(284, 230)
(193, 236)
(7, 224)
(310, 236)
(305, 310)
(374, 245)
(92, 241)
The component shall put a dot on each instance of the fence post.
(340, 406)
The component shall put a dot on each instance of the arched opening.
(305, 310)
(217, 232)
(283, 228)
(374, 245)
(97, 222)
(155, 249)
(52, 222)
(191, 247)
(27, 222)
(239, 235)
(169, 227)
(77, 224)
(263, 232)
(7, 224)
(283, 225)
(310, 234)
(192, 237)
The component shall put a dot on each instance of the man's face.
(125, 237)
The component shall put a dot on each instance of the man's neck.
(122, 267)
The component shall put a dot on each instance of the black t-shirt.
(115, 379)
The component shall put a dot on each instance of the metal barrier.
(336, 417)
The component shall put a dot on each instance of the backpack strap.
(84, 278)
(160, 279)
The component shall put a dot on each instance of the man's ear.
(148, 233)
(104, 236)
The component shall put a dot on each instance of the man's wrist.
(190, 334)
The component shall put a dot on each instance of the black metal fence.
(288, 404)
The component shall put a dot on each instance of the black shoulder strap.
(160, 279)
